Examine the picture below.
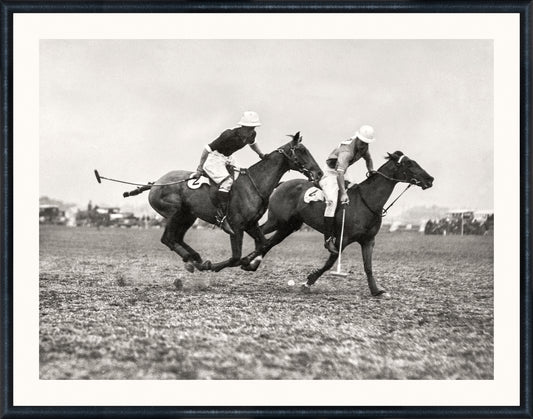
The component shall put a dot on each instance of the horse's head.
(403, 169)
(300, 159)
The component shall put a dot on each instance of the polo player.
(218, 155)
(346, 154)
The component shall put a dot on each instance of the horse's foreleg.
(317, 273)
(252, 261)
(367, 249)
(236, 250)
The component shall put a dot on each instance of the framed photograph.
(266, 209)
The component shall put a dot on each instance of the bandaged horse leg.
(252, 261)
(236, 250)
(283, 230)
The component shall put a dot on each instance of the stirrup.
(223, 223)
(330, 245)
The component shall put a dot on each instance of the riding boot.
(222, 212)
(329, 235)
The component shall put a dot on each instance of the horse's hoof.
(189, 266)
(245, 261)
(305, 289)
(205, 266)
(249, 268)
(381, 293)
(254, 265)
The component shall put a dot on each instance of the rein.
(383, 212)
(293, 159)
(243, 171)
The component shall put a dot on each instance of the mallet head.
(341, 274)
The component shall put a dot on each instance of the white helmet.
(365, 134)
(249, 119)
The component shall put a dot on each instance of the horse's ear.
(395, 156)
(296, 139)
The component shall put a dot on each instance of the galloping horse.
(287, 211)
(181, 205)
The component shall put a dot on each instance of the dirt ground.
(109, 309)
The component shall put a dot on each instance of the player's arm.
(342, 165)
(203, 158)
(369, 162)
(256, 148)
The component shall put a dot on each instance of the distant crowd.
(95, 216)
(465, 226)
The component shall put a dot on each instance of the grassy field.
(109, 310)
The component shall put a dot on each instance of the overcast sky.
(137, 109)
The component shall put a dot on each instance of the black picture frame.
(9, 8)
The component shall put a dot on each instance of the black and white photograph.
(143, 287)
(259, 209)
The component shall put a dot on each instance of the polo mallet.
(99, 178)
(338, 271)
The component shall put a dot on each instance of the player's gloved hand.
(197, 174)
(344, 199)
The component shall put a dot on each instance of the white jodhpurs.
(215, 168)
(330, 187)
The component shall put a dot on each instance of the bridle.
(293, 158)
(398, 163)
(410, 182)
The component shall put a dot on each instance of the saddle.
(315, 194)
(198, 182)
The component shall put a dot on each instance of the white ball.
(291, 283)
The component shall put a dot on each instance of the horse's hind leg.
(270, 226)
(173, 235)
(253, 260)
(194, 259)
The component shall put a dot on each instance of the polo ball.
(291, 283)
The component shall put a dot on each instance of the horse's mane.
(394, 157)
(267, 155)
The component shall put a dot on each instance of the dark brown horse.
(181, 205)
(287, 211)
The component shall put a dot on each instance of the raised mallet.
(338, 271)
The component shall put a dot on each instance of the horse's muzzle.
(315, 177)
(427, 183)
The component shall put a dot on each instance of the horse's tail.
(138, 190)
